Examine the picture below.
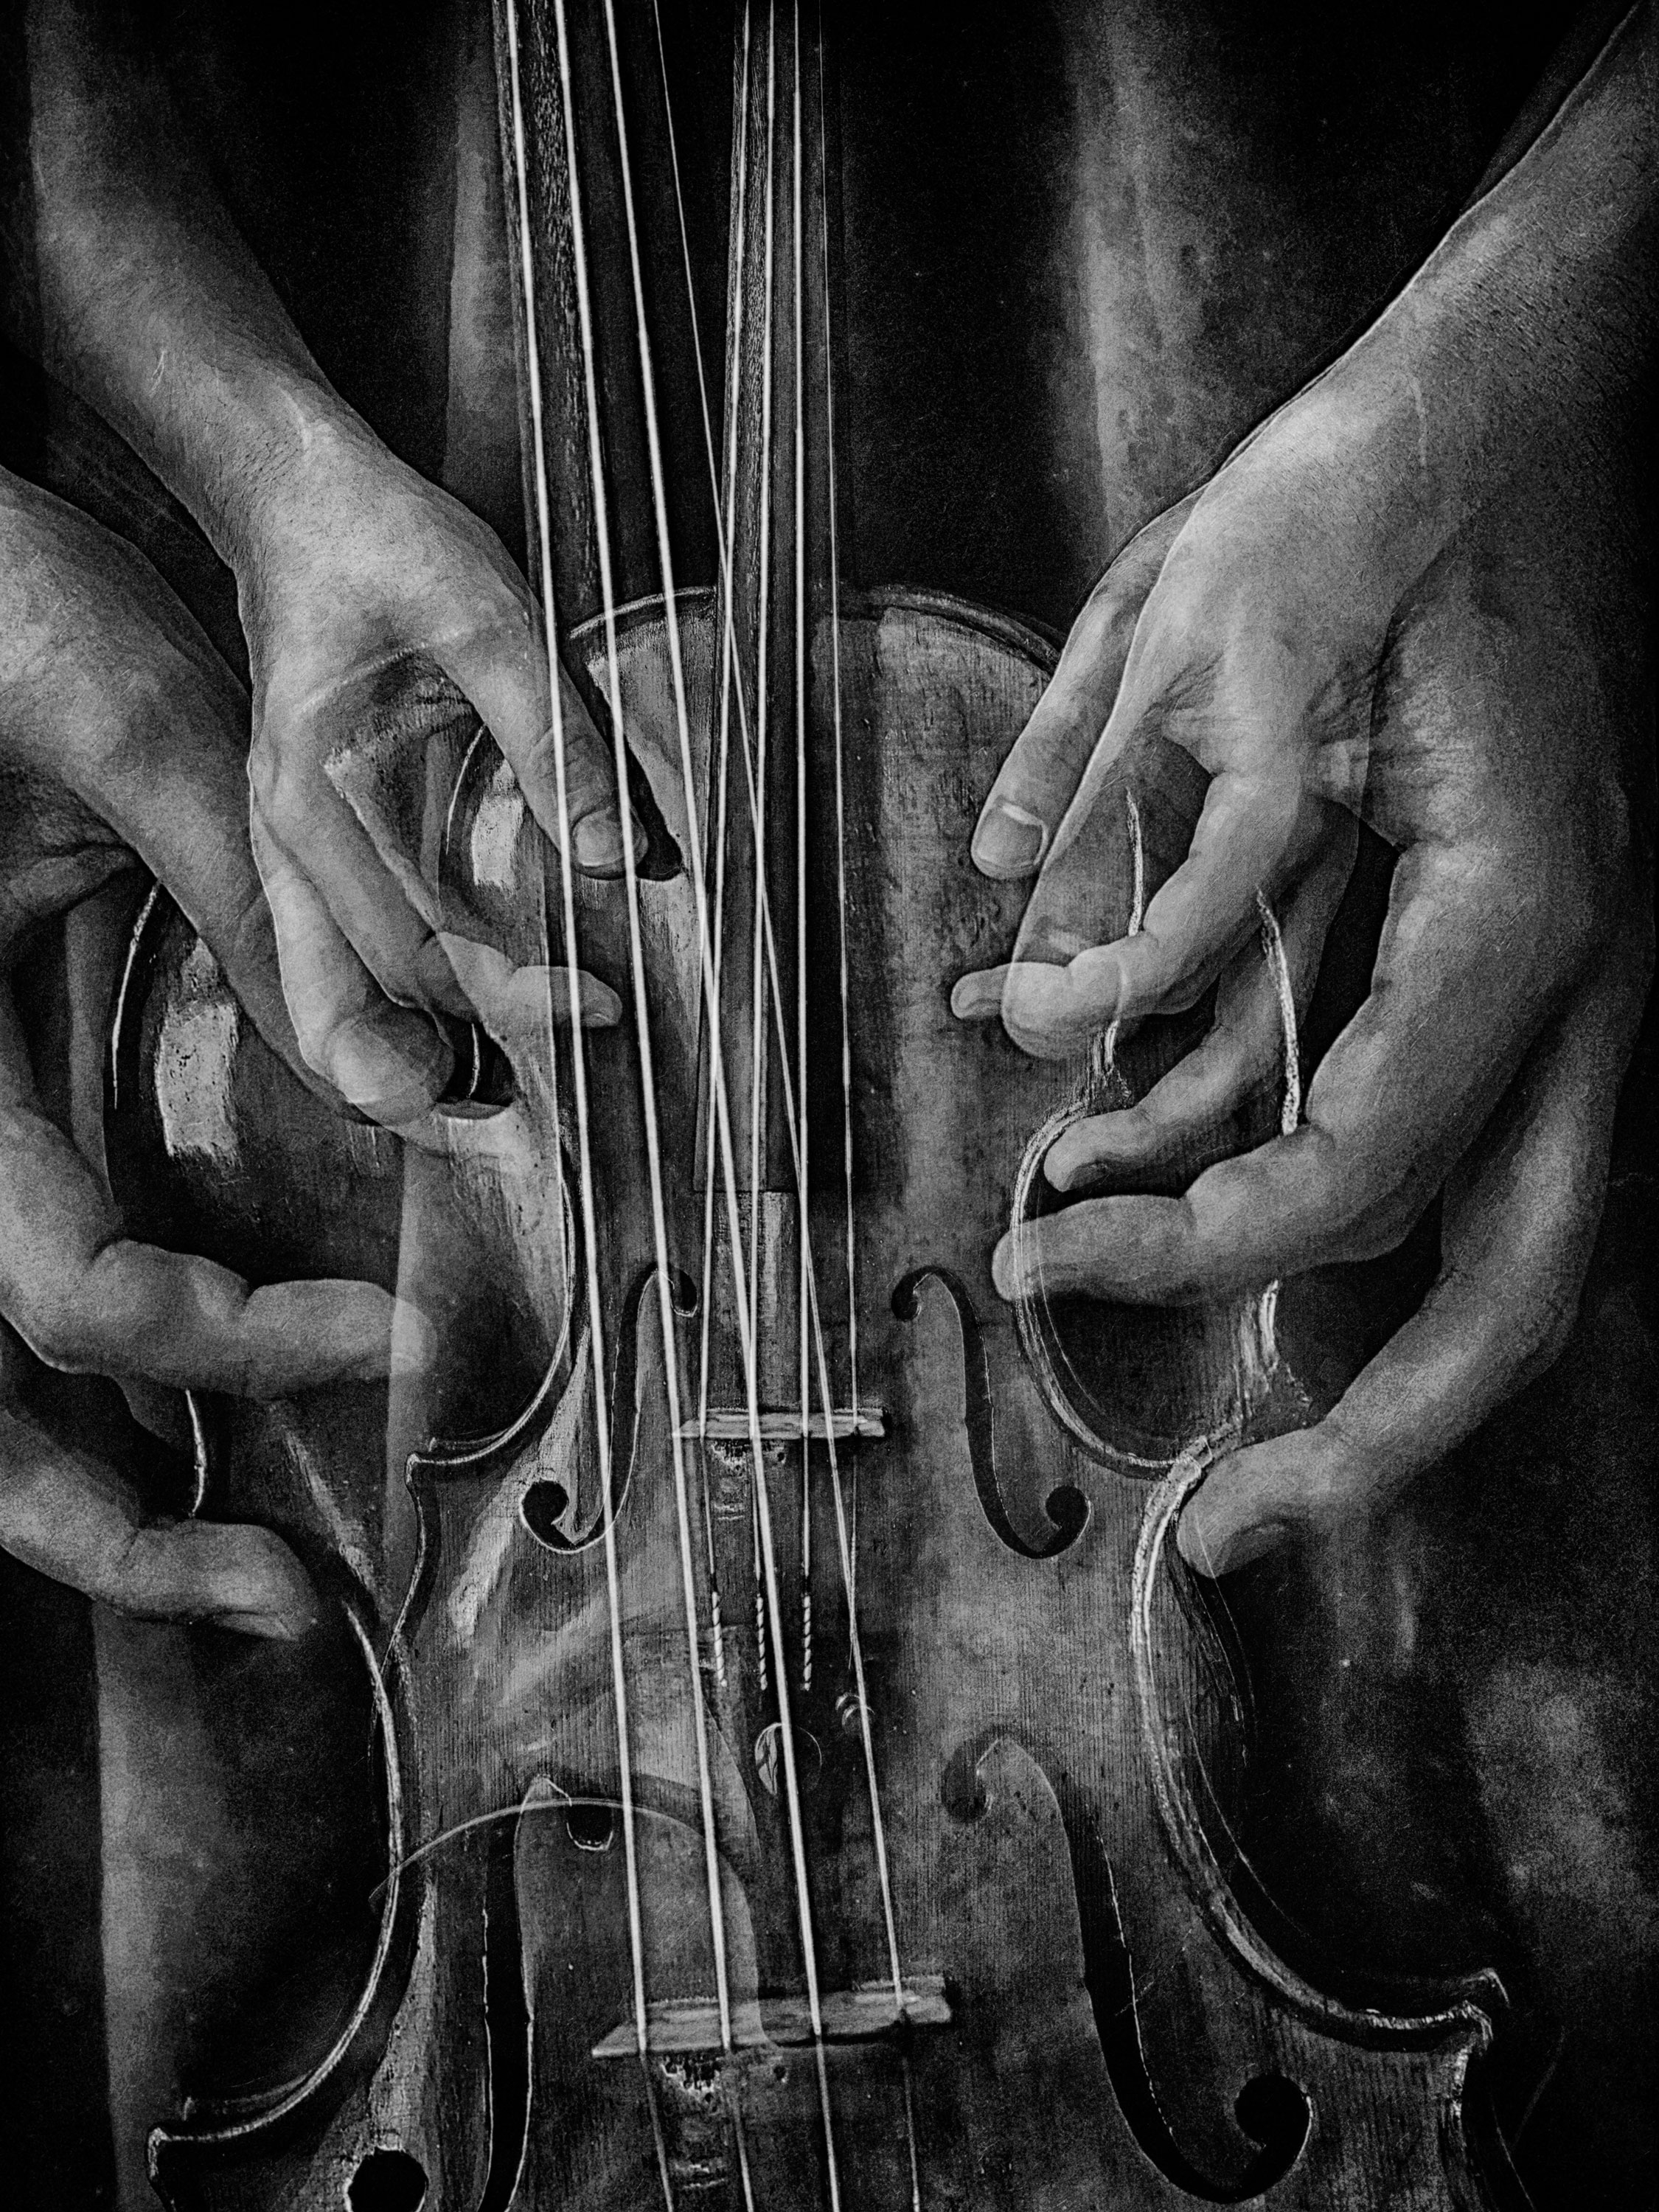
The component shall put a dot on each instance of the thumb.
(1039, 779)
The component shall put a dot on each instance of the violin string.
(745, 1291)
(636, 949)
(848, 1535)
(758, 1062)
(802, 1369)
(837, 1489)
(589, 1208)
(725, 644)
(797, 1821)
(838, 1494)
(795, 1121)
(841, 763)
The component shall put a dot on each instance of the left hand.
(367, 595)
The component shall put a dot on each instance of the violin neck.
(776, 591)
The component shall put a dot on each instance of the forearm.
(1555, 270)
(150, 306)
(1516, 364)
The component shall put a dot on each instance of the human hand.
(122, 734)
(370, 599)
(1417, 595)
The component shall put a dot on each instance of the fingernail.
(598, 1005)
(1010, 841)
(596, 844)
(389, 1065)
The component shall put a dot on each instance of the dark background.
(1240, 183)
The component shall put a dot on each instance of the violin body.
(1081, 2016)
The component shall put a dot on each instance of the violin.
(807, 1769)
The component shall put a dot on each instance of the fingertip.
(389, 1063)
(1211, 1543)
(236, 1576)
(1096, 1147)
(595, 843)
(1065, 1160)
(1009, 841)
(1007, 1271)
(1204, 1549)
(414, 1340)
(977, 997)
(598, 1006)
(1254, 1501)
(513, 1002)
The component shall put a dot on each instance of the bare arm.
(348, 564)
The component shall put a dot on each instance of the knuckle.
(279, 768)
(110, 1317)
(61, 1333)
(249, 939)
(1356, 1209)
(1346, 1476)
(126, 740)
(262, 771)
(1182, 1252)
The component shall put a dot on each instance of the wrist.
(1533, 323)
(280, 442)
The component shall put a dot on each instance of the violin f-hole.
(1066, 1507)
(545, 1501)
(1273, 2113)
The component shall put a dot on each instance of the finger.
(1226, 705)
(1036, 784)
(352, 780)
(389, 1061)
(1520, 1222)
(1250, 829)
(182, 806)
(388, 918)
(1235, 1089)
(1398, 1100)
(86, 1299)
(506, 678)
(71, 1518)
(517, 1004)
(1045, 1008)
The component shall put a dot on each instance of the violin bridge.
(869, 2012)
(730, 1424)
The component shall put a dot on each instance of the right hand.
(122, 734)
(376, 607)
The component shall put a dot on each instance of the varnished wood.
(1104, 2027)
(1084, 2014)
